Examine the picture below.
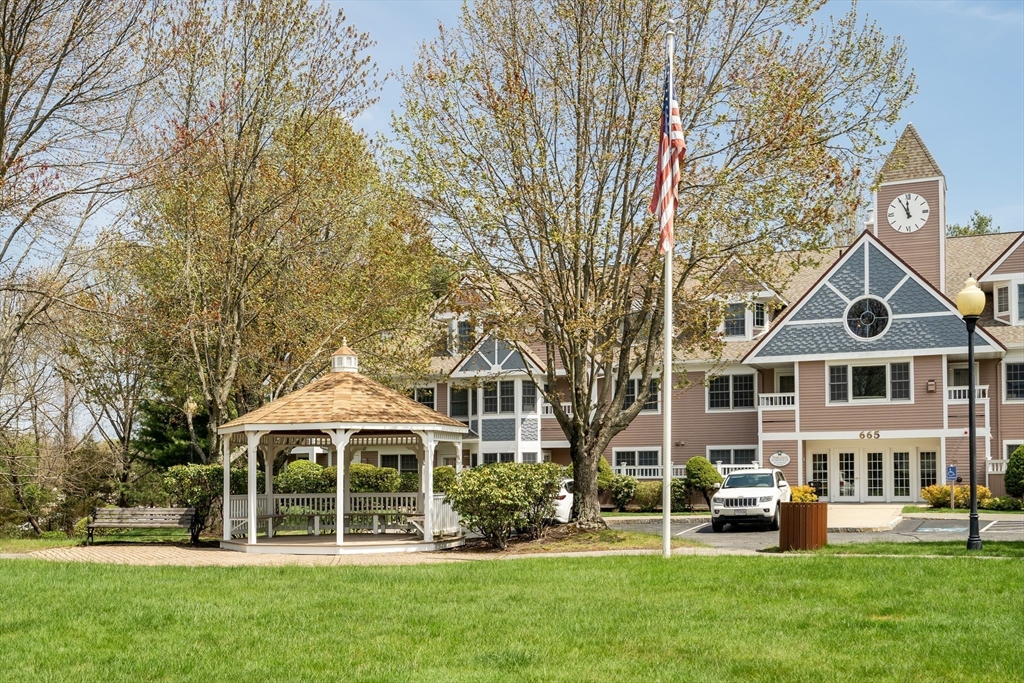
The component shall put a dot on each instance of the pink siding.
(1014, 262)
(699, 429)
(778, 421)
(441, 398)
(919, 249)
(792, 470)
(924, 413)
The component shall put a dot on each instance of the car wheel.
(717, 527)
(774, 526)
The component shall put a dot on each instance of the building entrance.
(883, 471)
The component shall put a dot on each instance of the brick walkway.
(154, 555)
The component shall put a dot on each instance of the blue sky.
(968, 57)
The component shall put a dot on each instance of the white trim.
(907, 182)
(851, 401)
(1003, 455)
(988, 275)
(837, 292)
(896, 289)
(358, 426)
(720, 447)
(1003, 380)
(884, 434)
(852, 355)
(737, 370)
(945, 394)
(888, 311)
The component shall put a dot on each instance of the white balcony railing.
(547, 411)
(725, 469)
(777, 400)
(964, 393)
(647, 471)
(997, 466)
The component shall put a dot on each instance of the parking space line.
(701, 526)
(990, 523)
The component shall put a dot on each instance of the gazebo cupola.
(344, 359)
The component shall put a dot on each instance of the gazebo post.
(226, 448)
(340, 438)
(427, 483)
(252, 441)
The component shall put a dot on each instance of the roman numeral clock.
(908, 212)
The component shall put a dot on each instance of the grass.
(946, 548)
(580, 619)
(911, 509)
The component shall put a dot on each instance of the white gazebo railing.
(324, 506)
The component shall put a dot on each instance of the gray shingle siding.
(913, 298)
(850, 278)
(883, 273)
(499, 430)
(530, 429)
(823, 305)
(821, 339)
(475, 363)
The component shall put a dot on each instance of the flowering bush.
(803, 494)
(937, 496)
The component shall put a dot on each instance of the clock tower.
(910, 208)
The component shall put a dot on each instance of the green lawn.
(950, 548)
(815, 618)
(911, 509)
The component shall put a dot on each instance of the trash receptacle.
(803, 526)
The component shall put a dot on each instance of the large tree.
(529, 134)
(267, 231)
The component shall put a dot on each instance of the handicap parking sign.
(950, 473)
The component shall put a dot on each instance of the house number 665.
(870, 435)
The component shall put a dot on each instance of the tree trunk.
(586, 503)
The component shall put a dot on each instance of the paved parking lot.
(907, 531)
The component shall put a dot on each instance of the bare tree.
(530, 133)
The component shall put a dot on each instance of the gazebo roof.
(347, 398)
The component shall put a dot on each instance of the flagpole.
(666, 373)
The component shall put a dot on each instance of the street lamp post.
(971, 302)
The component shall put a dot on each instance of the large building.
(853, 377)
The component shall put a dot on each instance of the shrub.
(494, 500)
(1003, 503)
(195, 486)
(605, 475)
(803, 494)
(623, 489)
(303, 476)
(365, 478)
(1014, 478)
(409, 482)
(680, 494)
(937, 496)
(444, 477)
(648, 495)
(701, 477)
(543, 481)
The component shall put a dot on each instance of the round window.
(867, 318)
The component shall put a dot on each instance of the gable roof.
(909, 159)
(1012, 256)
(491, 352)
(922, 318)
(343, 397)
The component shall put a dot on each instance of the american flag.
(671, 150)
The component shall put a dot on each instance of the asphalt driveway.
(906, 531)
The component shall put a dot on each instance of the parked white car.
(563, 503)
(750, 496)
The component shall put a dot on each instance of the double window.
(728, 455)
(423, 395)
(403, 462)
(890, 382)
(650, 458)
(500, 397)
(491, 458)
(1014, 381)
(633, 388)
(730, 392)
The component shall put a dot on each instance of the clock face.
(908, 212)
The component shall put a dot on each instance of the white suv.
(750, 496)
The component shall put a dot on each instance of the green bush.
(937, 496)
(303, 476)
(701, 477)
(803, 494)
(680, 494)
(623, 489)
(495, 500)
(195, 486)
(648, 495)
(444, 477)
(1004, 503)
(369, 479)
(1014, 478)
(409, 482)
(240, 481)
(605, 475)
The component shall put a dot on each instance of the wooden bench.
(142, 518)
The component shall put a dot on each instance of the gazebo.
(343, 413)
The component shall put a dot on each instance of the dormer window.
(759, 315)
(735, 320)
(1020, 304)
(465, 334)
(1003, 301)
